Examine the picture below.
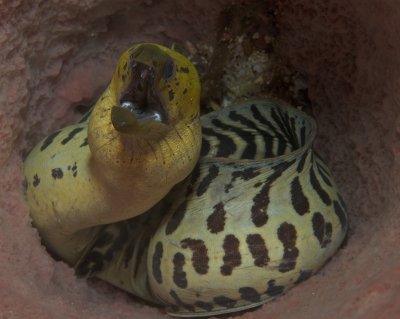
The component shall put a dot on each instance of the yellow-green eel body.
(205, 215)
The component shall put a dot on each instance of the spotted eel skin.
(250, 210)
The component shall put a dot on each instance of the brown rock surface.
(58, 53)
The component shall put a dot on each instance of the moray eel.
(205, 215)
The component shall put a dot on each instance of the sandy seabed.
(55, 54)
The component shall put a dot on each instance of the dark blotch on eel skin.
(273, 290)
(224, 301)
(216, 220)
(36, 180)
(71, 135)
(213, 172)
(258, 249)
(176, 218)
(259, 214)
(49, 140)
(157, 256)
(57, 173)
(200, 257)
(232, 257)
(299, 200)
(287, 234)
(322, 230)
(90, 265)
(249, 294)
(179, 276)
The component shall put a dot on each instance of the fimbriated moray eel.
(205, 215)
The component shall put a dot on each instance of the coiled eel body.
(205, 215)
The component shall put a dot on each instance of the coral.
(57, 54)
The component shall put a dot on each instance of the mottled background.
(55, 54)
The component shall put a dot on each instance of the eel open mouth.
(141, 100)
